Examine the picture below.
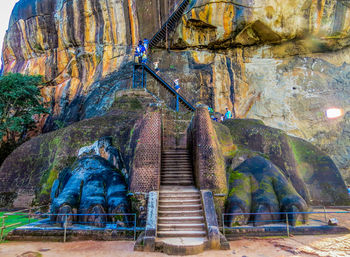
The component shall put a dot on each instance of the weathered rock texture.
(284, 62)
(75, 44)
(311, 172)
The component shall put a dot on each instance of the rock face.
(284, 62)
(82, 47)
(311, 172)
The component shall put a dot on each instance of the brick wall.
(208, 158)
(145, 168)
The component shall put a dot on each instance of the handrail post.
(30, 211)
(134, 227)
(177, 102)
(133, 77)
(65, 229)
(223, 224)
(287, 223)
(143, 75)
(325, 214)
(2, 227)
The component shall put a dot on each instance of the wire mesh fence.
(126, 223)
(319, 217)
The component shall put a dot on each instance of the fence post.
(325, 214)
(30, 211)
(143, 76)
(177, 102)
(2, 227)
(134, 227)
(287, 223)
(65, 229)
(223, 224)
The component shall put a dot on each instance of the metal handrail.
(173, 12)
(167, 86)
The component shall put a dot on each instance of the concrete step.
(176, 166)
(181, 227)
(177, 161)
(169, 183)
(181, 233)
(167, 193)
(194, 213)
(177, 181)
(176, 157)
(178, 169)
(180, 207)
(177, 174)
(180, 220)
(179, 198)
(170, 175)
(165, 201)
(179, 153)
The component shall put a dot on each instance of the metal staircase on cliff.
(170, 24)
(140, 69)
(139, 81)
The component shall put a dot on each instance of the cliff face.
(284, 62)
(76, 44)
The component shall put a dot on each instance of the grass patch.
(18, 219)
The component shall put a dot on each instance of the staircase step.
(167, 202)
(181, 227)
(194, 213)
(177, 176)
(177, 161)
(176, 158)
(180, 207)
(181, 233)
(176, 183)
(180, 220)
(172, 166)
(181, 198)
(178, 193)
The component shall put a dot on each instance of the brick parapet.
(145, 168)
(209, 163)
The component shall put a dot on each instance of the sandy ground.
(332, 246)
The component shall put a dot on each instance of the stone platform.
(281, 230)
(44, 230)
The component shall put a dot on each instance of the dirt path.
(308, 246)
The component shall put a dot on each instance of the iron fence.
(313, 218)
(116, 222)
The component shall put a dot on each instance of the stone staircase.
(180, 212)
(176, 168)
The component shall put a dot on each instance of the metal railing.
(314, 218)
(116, 222)
(170, 20)
(162, 79)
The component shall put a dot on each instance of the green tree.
(20, 101)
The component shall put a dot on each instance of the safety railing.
(174, 13)
(12, 220)
(162, 79)
(314, 218)
(116, 222)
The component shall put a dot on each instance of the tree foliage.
(20, 101)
